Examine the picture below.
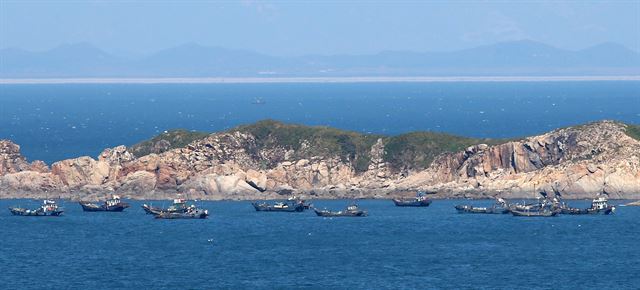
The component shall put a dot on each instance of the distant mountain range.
(517, 58)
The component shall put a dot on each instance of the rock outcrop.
(11, 161)
(575, 162)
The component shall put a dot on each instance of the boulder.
(81, 171)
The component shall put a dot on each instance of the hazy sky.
(324, 27)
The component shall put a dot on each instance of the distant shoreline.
(249, 80)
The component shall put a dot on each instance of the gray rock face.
(576, 162)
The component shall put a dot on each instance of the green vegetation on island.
(321, 141)
(416, 150)
(633, 131)
(166, 141)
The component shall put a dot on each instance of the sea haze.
(54, 122)
(513, 58)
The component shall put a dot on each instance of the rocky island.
(270, 159)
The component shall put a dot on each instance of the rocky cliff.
(270, 159)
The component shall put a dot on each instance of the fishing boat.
(351, 211)
(289, 206)
(419, 201)
(534, 213)
(488, 210)
(565, 209)
(148, 209)
(191, 213)
(543, 203)
(179, 206)
(112, 204)
(526, 206)
(543, 208)
(304, 203)
(48, 208)
(500, 207)
(600, 205)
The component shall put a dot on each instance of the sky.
(291, 28)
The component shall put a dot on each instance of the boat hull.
(25, 212)
(580, 211)
(326, 213)
(271, 208)
(605, 211)
(546, 213)
(157, 210)
(481, 210)
(91, 207)
(151, 210)
(174, 215)
(411, 203)
(575, 211)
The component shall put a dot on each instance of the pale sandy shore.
(248, 80)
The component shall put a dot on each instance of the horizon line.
(358, 79)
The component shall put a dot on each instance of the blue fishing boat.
(191, 213)
(113, 204)
(352, 211)
(281, 206)
(500, 207)
(48, 208)
(534, 213)
(179, 206)
(419, 201)
(600, 205)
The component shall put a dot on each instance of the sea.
(52, 122)
(392, 248)
(239, 248)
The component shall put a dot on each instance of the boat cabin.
(49, 205)
(115, 200)
(178, 203)
(280, 205)
(599, 203)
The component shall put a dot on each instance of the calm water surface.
(393, 248)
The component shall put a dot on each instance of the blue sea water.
(53, 122)
(393, 248)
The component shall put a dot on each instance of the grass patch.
(166, 141)
(633, 131)
(323, 141)
(417, 150)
